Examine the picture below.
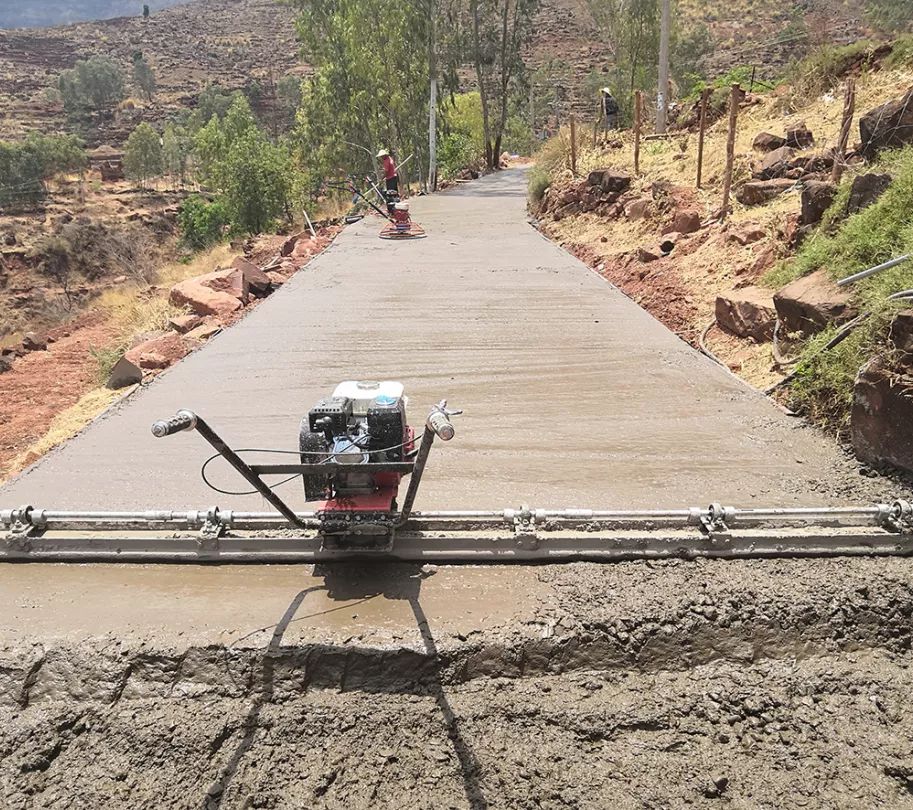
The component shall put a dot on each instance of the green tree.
(258, 182)
(94, 85)
(175, 154)
(143, 155)
(890, 16)
(26, 166)
(202, 222)
(143, 77)
(499, 30)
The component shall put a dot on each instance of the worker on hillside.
(391, 177)
(609, 110)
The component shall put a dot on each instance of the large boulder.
(158, 352)
(887, 126)
(204, 299)
(231, 280)
(817, 196)
(748, 312)
(256, 279)
(866, 189)
(123, 374)
(758, 192)
(33, 342)
(881, 422)
(767, 142)
(810, 303)
(800, 137)
(609, 180)
(776, 163)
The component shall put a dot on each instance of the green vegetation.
(143, 155)
(824, 380)
(901, 52)
(824, 68)
(143, 77)
(539, 181)
(203, 223)
(26, 166)
(175, 154)
(93, 86)
(890, 16)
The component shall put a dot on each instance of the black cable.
(329, 456)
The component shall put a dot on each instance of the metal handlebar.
(182, 420)
(439, 421)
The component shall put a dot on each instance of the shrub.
(202, 222)
(93, 85)
(824, 67)
(539, 181)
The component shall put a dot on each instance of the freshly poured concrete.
(771, 683)
(573, 397)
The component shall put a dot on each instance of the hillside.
(44, 13)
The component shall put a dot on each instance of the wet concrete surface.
(632, 685)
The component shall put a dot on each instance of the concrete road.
(574, 396)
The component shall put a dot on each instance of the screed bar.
(510, 535)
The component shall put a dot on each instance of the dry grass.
(66, 425)
(675, 159)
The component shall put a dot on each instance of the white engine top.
(363, 392)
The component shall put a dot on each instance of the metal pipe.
(873, 270)
(188, 420)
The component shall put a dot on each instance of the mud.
(763, 684)
(706, 683)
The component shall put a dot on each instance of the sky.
(38, 13)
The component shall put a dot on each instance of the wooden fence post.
(638, 122)
(735, 97)
(705, 98)
(849, 107)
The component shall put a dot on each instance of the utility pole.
(432, 138)
(432, 105)
(662, 93)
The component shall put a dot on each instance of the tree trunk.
(483, 90)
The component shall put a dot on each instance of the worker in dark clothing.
(609, 110)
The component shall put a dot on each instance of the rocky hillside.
(43, 13)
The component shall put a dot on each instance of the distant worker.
(609, 110)
(391, 177)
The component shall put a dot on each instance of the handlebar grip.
(182, 420)
(439, 422)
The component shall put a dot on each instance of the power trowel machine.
(356, 446)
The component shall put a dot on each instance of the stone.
(866, 190)
(817, 197)
(123, 374)
(649, 253)
(276, 279)
(764, 261)
(203, 300)
(800, 137)
(256, 279)
(887, 126)
(639, 209)
(902, 331)
(230, 280)
(5, 364)
(758, 192)
(775, 163)
(748, 234)
(767, 142)
(810, 303)
(288, 246)
(685, 221)
(748, 312)
(184, 323)
(204, 331)
(158, 352)
(881, 420)
(609, 180)
(33, 342)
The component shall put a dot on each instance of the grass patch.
(539, 181)
(901, 53)
(823, 385)
(823, 69)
